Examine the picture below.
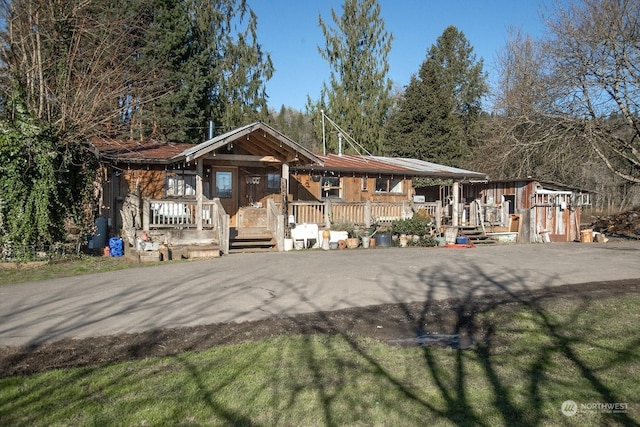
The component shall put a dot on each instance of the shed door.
(225, 182)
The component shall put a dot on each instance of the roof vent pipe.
(210, 129)
(339, 143)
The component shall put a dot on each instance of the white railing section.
(179, 213)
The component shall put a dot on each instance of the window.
(330, 186)
(224, 186)
(388, 185)
(181, 183)
(273, 181)
(364, 185)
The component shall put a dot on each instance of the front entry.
(225, 183)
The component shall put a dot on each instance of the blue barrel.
(115, 246)
(462, 240)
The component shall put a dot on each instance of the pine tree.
(437, 118)
(357, 96)
(202, 68)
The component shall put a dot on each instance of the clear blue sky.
(289, 31)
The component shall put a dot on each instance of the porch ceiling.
(256, 139)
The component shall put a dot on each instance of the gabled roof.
(257, 139)
(390, 165)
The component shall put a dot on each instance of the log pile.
(622, 224)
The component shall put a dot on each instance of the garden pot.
(365, 242)
(353, 242)
(383, 239)
(404, 240)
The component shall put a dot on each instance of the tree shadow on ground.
(468, 316)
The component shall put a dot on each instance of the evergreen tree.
(357, 96)
(437, 119)
(202, 68)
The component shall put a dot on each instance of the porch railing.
(162, 213)
(222, 224)
(324, 213)
(275, 222)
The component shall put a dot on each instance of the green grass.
(85, 264)
(534, 358)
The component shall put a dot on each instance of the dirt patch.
(454, 319)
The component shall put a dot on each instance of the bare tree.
(71, 60)
(593, 54)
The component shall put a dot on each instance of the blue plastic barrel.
(462, 240)
(115, 246)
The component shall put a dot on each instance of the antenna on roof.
(341, 133)
(324, 143)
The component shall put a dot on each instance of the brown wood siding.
(304, 188)
(150, 183)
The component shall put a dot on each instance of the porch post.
(456, 200)
(199, 176)
(285, 176)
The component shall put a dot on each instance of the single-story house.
(247, 185)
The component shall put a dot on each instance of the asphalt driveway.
(244, 287)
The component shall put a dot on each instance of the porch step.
(476, 235)
(242, 240)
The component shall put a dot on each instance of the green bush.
(418, 226)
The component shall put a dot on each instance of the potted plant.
(347, 228)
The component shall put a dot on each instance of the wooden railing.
(222, 219)
(275, 222)
(324, 213)
(163, 213)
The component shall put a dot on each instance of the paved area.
(244, 287)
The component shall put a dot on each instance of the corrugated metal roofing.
(390, 165)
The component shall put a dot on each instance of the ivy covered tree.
(437, 118)
(357, 95)
(41, 185)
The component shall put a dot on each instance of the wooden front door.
(225, 184)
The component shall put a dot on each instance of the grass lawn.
(86, 264)
(535, 356)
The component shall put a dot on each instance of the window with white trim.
(387, 184)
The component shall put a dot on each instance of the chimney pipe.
(210, 129)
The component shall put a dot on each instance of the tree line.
(565, 108)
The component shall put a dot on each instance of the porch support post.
(199, 177)
(455, 190)
(146, 209)
(367, 214)
(285, 176)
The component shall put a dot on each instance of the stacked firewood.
(624, 224)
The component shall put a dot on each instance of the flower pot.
(404, 240)
(353, 242)
(383, 239)
(288, 244)
(365, 242)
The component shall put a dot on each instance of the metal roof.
(390, 165)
